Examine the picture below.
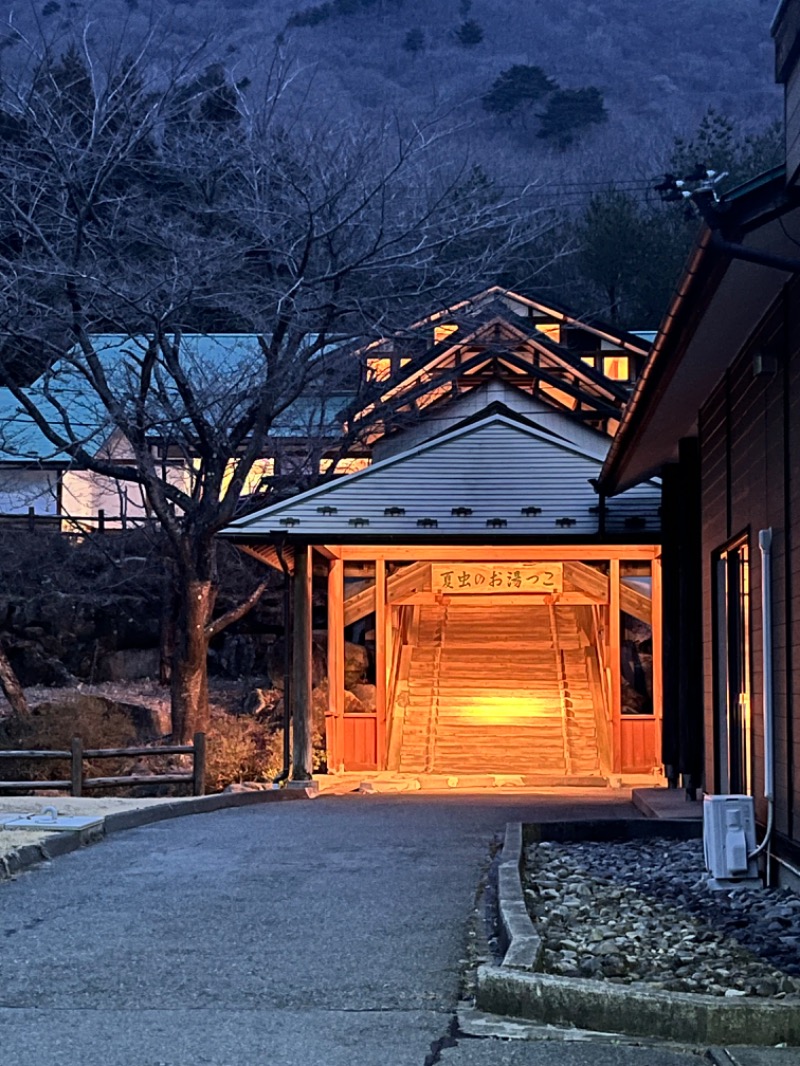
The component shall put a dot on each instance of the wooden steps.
(500, 690)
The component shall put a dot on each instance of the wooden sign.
(497, 578)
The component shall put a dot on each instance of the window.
(442, 332)
(617, 367)
(551, 330)
(731, 568)
(347, 464)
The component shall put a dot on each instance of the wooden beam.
(380, 660)
(636, 603)
(658, 670)
(400, 584)
(268, 554)
(588, 580)
(301, 666)
(334, 724)
(329, 551)
(508, 599)
(359, 605)
(501, 553)
(615, 663)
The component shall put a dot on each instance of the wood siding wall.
(749, 433)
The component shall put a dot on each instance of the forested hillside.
(591, 99)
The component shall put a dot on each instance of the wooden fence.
(78, 783)
(99, 522)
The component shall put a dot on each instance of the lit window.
(348, 464)
(261, 468)
(589, 360)
(551, 330)
(382, 367)
(441, 333)
(616, 367)
(379, 369)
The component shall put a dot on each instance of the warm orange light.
(441, 333)
(500, 709)
(348, 464)
(616, 367)
(379, 369)
(551, 330)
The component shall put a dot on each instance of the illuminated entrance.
(505, 622)
(523, 665)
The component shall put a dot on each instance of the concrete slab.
(490, 1052)
(261, 1036)
(754, 1056)
(666, 803)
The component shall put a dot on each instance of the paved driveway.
(328, 932)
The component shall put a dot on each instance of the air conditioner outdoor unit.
(729, 837)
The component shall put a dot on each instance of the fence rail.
(78, 783)
(99, 522)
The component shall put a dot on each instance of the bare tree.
(145, 210)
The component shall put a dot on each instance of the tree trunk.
(11, 686)
(190, 660)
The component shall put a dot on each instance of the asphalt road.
(324, 933)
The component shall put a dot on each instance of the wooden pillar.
(301, 666)
(658, 661)
(334, 725)
(381, 651)
(615, 663)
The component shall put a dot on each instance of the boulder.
(356, 664)
(352, 704)
(366, 694)
(130, 664)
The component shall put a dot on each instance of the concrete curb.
(513, 989)
(524, 950)
(29, 855)
(587, 1004)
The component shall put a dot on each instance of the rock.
(356, 664)
(366, 694)
(131, 664)
(352, 704)
(262, 701)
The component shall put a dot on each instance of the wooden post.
(199, 765)
(615, 663)
(301, 666)
(101, 520)
(381, 651)
(335, 724)
(76, 767)
(31, 520)
(656, 587)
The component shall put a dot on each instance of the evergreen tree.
(569, 112)
(469, 34)
(517, 88)
(414, 41)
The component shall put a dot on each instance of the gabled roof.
(497, 478)
(501, 346)
(496, 300)
(213, 360)
(720, 300)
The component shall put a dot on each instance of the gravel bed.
(641, 914)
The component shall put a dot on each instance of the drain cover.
(51, 822)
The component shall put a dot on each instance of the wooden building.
(717, 413)
(512, 620)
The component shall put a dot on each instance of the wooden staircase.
(496, 689)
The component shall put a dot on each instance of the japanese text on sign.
(493, 578)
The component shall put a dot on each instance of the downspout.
(765, 547)
(287, 666)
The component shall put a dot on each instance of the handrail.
(77, 754)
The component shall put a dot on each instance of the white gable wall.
(441, 417)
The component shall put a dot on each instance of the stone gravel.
(641, 914)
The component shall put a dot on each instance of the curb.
(525, 947)
(514, 989)
(30, 855)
